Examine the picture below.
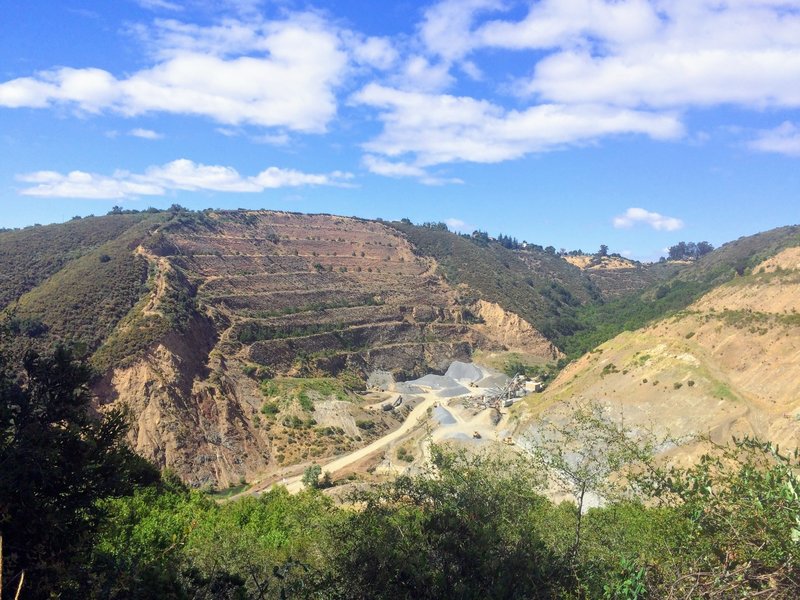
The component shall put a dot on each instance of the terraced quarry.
(319, 294)
(312, 303)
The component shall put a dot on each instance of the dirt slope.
(728, 365)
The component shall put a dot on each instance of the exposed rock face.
(295, 295)
(201, 430)
(511, 331)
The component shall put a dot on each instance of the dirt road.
(415, 417)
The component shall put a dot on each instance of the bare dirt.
(727, 366)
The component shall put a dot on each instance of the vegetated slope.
(192, 317)
(540, 287)
(29, 256)
(726, 365)
(618, 277)
(82, 303)
(590, 325)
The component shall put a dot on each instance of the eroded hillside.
(727, 365)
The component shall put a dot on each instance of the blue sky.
(572, 123)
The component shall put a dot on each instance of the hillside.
(682, 283)
(618, 277)
(236, 338)
(534, 284)
(728, 364)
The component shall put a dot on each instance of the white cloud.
(278, 139)
(271, 74)
(181, 174)
(784, 139)
(418, 73)
(472, 70)
(438, 129)
(458, 225)
(145, 134)
(160, 5)
(635, 216)
(387, 168)
(79, 184)
(277, 178)
(446, 29)
(376, 52)
(680, 53)
(398, 169)
(184, 174)
(605, 67)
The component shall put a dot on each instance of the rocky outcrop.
(512, 331)
(186, 414)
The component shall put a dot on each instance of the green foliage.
(142, 328)
(742, 508)
(630, 584)
(544, 373)
(56, 462)
(270, 409)
(30, 256)
(593, 324)
(465, 533)
(82, 304)
(690, 250)
(169, 542)
(302, 389)
(255, 332)
(311, 476)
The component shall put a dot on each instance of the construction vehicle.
(476, 435)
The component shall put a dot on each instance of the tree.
(311, 476)
(462, 530)
(704, 248)
(603, 251)
(57, 460)
(741, 504)
(581, 451)
(689, 250)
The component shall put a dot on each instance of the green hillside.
(592, 324)
(29, 256)
(542, 288)
(80, 278)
